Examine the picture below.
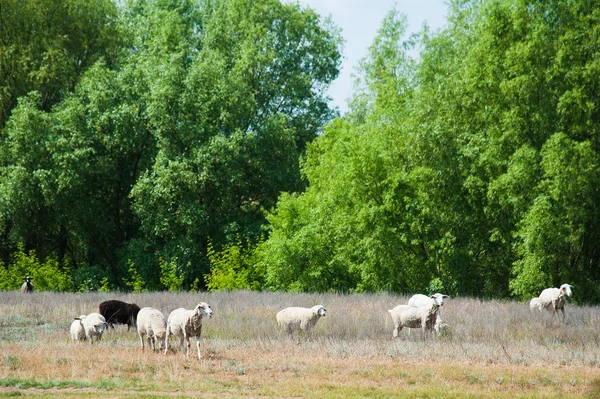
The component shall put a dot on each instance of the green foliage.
(471, 171)
(45, 45)
(46, 276)
(170, 276)
(233, 268)
(135, 283)
(172, 123)
(132, 132)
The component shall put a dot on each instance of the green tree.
(45, 45)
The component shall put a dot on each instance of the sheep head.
(439, 298)
(565, 289)
(203, 309)
(319, 310)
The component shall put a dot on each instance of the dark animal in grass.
(27, 286)
(119, 312)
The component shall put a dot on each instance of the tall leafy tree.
(195, 126)
(45, 45)
(234, 103)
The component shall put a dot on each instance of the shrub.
(47, 276)
(234, 268)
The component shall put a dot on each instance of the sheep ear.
(445, 296)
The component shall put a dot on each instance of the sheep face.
(565, 289)
(439, 298)
(204, 310)
(320, 310)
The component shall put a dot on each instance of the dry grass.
(494, 349)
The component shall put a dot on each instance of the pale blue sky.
(360, 20)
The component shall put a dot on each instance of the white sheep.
(94, 325)
(553, 299)
(423, 300)
(186, 323)
(151, 323)
(535, 304)
(423, 317)
(300, 319)
(77, 329)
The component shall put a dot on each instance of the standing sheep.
(186, 323)
(553, 299)
(77, 329)
(423, 317)
(119, 312)
(151, 322)
(423, 300)
(27, 287)
(94, 325)
(300, 319)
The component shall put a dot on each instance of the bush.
(234, 268)
(47, 276)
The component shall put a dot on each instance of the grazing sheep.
(119, 312)
(300, 319)
(27, 287)
(553, 299)
(423, 300)
(423, 317)
(77, 329)
(151, 322)
(186, 323)
(94, 325)
(535, 304)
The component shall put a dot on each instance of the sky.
(360, 20)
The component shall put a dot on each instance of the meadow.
(494, 349)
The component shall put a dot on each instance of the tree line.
(156, 144)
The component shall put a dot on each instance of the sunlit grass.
(493, 349)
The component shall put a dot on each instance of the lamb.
(94, 325)
(414, 317)
(77, 329)
(554, 298)
(187, 323)
(151, 322)
(27, 287)
(423, 300)
(535, 304)
(300, 319)
(119, 312)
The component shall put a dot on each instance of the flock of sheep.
(150, 322)
(421, 311)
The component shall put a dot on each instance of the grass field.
(493, 350)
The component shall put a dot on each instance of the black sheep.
(119, 312)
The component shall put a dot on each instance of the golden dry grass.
(494, 349)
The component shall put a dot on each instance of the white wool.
(300, 319)
(535, 304)
(186, 323)
(423, 317)
(151, 323)
(554, 299)
(423, 300)
(77, 330)
(94, 325)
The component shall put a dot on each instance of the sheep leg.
(188, 344)
(142, 340)
(198, 347)
(397, 329)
